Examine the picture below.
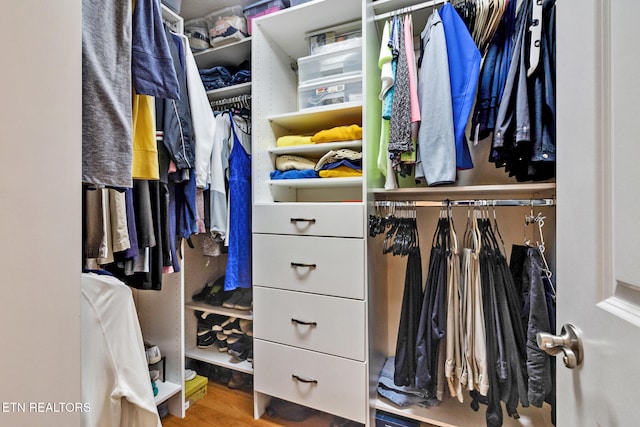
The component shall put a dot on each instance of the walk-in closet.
(391, 212)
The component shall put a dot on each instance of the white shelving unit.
(166, 390)
(212, 356)
(318, 224)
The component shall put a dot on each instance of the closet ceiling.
(191, 9)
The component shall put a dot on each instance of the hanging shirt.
(238, 272)
(151, 63)
(436, 162)
(464, 68)
(106, 93)
(115, 375)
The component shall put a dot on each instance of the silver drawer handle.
(299, 264)
(303, 380)
(300, 322)
(309, 220)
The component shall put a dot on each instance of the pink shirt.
(411, 59)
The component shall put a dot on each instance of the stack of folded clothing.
(292, 140)
(340, 163)
(294, 167)
(218, 77)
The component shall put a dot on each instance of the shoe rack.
(199, 270)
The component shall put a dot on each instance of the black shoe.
(238, 347)
(205, 338)
(233, 299)
(200, 296)
(244, 302)
(221, 342)
(232, 327)
(215, 296)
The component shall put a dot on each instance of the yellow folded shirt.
(339, 172)
(339, 133)
(289, 140)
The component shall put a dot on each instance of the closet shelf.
(536, 190)
(166, 389)
(297, 22)
(315, 119)
(232, 54)
(219, 310)
(317, 182)
(229, 91)
(214, 357)
(450, 413)
(316, 149)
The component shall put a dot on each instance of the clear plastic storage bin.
(226, 26)
(330, 64)
(262, 8)
(320, 93)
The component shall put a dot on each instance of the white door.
(598, 212)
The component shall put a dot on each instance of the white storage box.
(330, 64)
(331, 91)
(335, 38)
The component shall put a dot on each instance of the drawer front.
(314, 322)
(335, 385)
(320, 265)
(310, 219)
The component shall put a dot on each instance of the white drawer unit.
(310, 219)
(319, 265)
(320, 381)
(314, 322)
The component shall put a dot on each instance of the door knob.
(568, 343)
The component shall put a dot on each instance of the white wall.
(40, 211)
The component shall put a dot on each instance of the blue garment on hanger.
(464, 69)
(238, 274)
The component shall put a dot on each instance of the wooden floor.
(224, 407)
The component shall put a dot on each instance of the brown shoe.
(236, 381)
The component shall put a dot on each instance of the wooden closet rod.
(476, 202)
(409, 9)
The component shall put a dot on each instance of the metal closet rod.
(473, 202)
(232, 100)
(409, 9)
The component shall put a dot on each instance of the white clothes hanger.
(536, 36)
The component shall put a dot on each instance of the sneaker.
(205, 340)
(220, 323)
(246, 327)
(221, 342)
(189, 374)
(153, 353)
(232, 327)
(250, 353)
(237, 347)
(210, 321)
(233, 299)
(200, 296)
(244, 302)
(215, 296)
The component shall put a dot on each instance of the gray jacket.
(436, 158)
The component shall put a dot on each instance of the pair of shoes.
(209, 320)
(232, 327)
(189, 374)
(205, 338)
(153, 353)
(211, 293)
(240, 299)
